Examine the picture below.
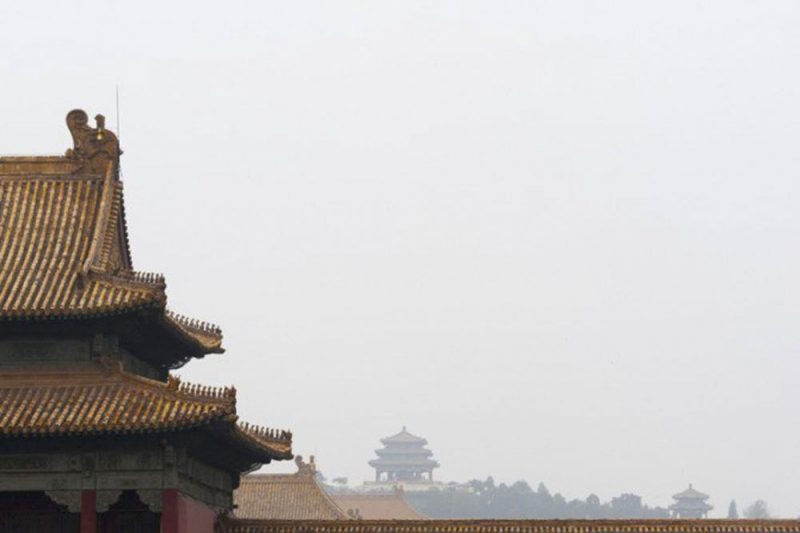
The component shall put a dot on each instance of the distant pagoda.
(690, 503)
(405, 462)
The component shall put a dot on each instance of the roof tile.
(104, 399)
(285, 497)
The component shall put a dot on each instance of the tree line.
(487, 499)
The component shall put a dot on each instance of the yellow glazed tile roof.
(64, 245)
(47, 234)
(234, 525)
(285, 496)
(101, 399)
(377, 506)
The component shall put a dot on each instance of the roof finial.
(95, 147)
(303, 468)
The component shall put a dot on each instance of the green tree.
(757, 510)
(626, 506)
(486, 499)
(733, 512)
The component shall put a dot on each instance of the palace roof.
(295, 496)
(83, 334)
(516, 526)
(64, 253)
(377, 506)
(690, 494)
(101, 399)
(404, 437)
(401, 462)
(403, 452)
(690, 500)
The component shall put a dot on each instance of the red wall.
(195, 517)
(182, 514)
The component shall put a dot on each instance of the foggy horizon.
(555, 239)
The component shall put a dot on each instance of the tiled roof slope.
(63, 240)
(377, 506)
(102, 399)
(690, 494)
(47, 231)
(404, 437)
(511, 526)
(295, 496)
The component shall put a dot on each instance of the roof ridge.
(100, 240)
(264, 434)
(201, 392)
(193, 324)
(254, 478)
(224, 396)
(298, 495)
(112, 226)
(29, 157)
(131, 395)
(151, 283)
(37, 176)
(65, 248)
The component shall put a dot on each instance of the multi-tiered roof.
(403, 458)
(65, 258)
(690, 503)
(66, 273)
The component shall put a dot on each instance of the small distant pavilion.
(404, 461)
(690, 503)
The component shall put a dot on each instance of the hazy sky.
(558, 239)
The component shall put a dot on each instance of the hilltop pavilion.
(403, 462)
(690, 503)
(96, 435)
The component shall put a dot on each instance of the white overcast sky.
(559, 239)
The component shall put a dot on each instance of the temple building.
(297, 496)
(690, 503)
(390, 505)
(664, 525)
(301, 496)
(96, 434)
(403, 462)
